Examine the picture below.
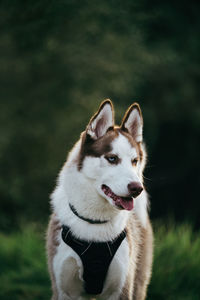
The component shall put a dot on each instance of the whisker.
(149, 166)
(147, 178)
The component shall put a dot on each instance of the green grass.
(176, 270)
(23, 270)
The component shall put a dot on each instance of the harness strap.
(95, 256)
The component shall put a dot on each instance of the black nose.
(135, 188)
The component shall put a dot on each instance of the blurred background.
(58, 61)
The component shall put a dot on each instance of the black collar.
(85, 219)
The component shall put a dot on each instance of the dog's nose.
(135, 188)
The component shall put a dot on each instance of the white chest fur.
(68, 272)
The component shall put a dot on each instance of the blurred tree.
(59, 59)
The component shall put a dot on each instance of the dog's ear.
(101, 121)
(133, 122)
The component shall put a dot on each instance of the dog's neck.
(117, 220)
(90, 221)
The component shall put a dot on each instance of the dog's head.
(113, 157)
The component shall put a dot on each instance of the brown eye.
(112, 159)
(135, 161)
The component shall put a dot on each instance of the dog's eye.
(112, 159)
(135, 161)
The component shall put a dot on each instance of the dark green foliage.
(59, 59)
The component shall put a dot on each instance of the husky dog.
(99, 239)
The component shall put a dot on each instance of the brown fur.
(140, 244)
(52, 243)
(96, 148)
(144, 264)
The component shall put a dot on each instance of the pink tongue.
(126, 204)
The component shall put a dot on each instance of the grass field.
(176, 271)
(23, 271)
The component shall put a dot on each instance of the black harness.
(95, 256)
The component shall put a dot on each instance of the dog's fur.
(87, 168)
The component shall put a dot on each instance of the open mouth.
(120, 202)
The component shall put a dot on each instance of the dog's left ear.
(101, 121)
(133, 122)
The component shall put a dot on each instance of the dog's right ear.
(101, 121)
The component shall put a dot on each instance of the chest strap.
(95, 256)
